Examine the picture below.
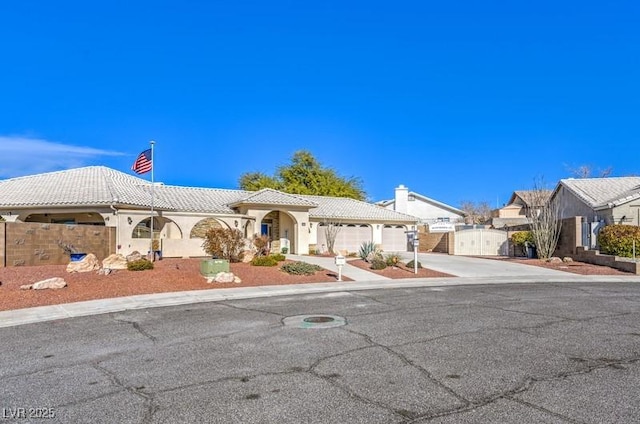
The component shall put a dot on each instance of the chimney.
(402, 199)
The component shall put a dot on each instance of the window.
(412, 197)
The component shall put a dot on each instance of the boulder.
(104, 271)
(247, 256)
(49, 283)
(88, 264)
(115, 261)
(554, 260)
(567, 259)
(134, 256)
(237, 279)
(26, 287)
(224, 277)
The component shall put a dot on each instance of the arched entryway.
(281, 228)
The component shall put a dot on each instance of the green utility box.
(210, 267)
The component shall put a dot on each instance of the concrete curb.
(102, 306)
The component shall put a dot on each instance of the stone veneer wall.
(30, 243)
(435, 242)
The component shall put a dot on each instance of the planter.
(77, 257)
(210, 267)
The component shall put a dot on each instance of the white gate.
(481, 242)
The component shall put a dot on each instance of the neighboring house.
(428, 210)
(519, 204)
(600, 201)
(98, 195)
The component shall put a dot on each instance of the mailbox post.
(413, 239)
(340, 262)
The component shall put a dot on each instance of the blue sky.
(459, 101)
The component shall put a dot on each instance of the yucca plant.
(368, 249)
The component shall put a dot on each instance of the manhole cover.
(314, 321)
(318, 320)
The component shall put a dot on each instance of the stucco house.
(600, 201)
(98, 195)
(428, 210)
(515, 211)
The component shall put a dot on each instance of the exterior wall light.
(129, 220)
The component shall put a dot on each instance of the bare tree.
(544, 215)
(587, 171)
(331, 230)
(476, 213)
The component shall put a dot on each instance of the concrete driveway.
(548, 352)
(463, 266)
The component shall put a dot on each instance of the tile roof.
(102, 186)
(274, 197)
(600, 192)
(344, 208)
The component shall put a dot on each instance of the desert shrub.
(521, 238)
(313, 252)
(224, 243)
(264, 261)
(261, 244)
(278, 257)
(284, 250)
(139, 265)
(410, 264)
(368, 249)
(618, 240)
(378, 264)
(392, 259)
(300, 268)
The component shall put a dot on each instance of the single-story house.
(600, 201)
(430, 212)
(97, 195)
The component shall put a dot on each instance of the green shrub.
(522, 237)
(139, 265)
(278, 257)
(392, 259)
(300, 268)
(410, 264)
(378, 264)
(264, 261)
(618, 240)
(367, 249)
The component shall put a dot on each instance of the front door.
(265, 230)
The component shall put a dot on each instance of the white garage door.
(349, 238)
(394, 238)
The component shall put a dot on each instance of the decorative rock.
(224, 277)
(567, 259)
(237, 279)
(247, 256)
(104, 271)
(115, 261)
(49, 283)
(26, 287)
(134, 256)
(554, 260)
(88, 264)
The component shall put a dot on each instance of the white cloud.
(25, 156)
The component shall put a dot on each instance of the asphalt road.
(552, 353)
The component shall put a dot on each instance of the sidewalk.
(103, 306)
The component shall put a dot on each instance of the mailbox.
(340, 260)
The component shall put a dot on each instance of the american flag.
(143, 164)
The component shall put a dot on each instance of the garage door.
(394, 238)
(349, 238)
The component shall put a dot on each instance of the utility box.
(210, 267)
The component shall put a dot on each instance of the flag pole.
(153, 254)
